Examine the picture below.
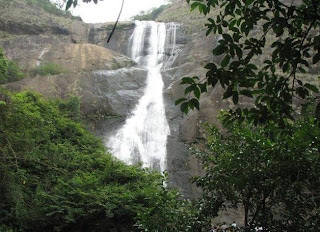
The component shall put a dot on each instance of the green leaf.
(194, 5)
(247, 93)
(69, 4)
(316, 58)
(189, 89)
(225, 61)
(187, 80)
(185, 107)
(249, 2)
(180, 100)
(196, 92)
(228, 93)
(203, 87)
(195, 103)
(227, 37)
(235, 98)
(311, 87)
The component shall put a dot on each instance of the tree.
(56, 176)
(275, 82)
(272, 177)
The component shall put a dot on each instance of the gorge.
(109, 84)
(89, 130)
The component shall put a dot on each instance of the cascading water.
(44, 51)
(143, 138)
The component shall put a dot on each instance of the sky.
(108, 10)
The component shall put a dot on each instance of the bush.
(48, 69)
(150, 15)
(271, 173)
(3, 67)
(14, 72)
(9, 70)
(50, 7)
(56, 176)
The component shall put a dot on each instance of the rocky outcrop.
(102, 93)
(35, 37)
(21, 17)
(99, 34)
(31, 51)
(85, 57)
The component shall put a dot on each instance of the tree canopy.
(266, 47)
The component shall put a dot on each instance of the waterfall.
(171, 44)
(143, 138)
(44, 51)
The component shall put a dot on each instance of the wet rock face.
(119, 42)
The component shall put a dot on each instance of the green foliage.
(50, 7)
(14, 72)
(274, 84)
(70, 108)
(48, 69)
(272, 175)
(55, 176)
(168, 212)
(151, 14)
(9, 70)
(4, 34)
(3, 66)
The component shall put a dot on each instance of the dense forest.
(261, 159)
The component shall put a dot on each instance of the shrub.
(3, 67)
(150, 15)
(14, 72)
(272, 174)
(9, 70)
(50, 7)
(56, 176)
(48, 69)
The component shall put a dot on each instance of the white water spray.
(44, 51)
(143, 138)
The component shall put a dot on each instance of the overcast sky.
(108, 10)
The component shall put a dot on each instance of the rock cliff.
(33, 37)
(107, 82)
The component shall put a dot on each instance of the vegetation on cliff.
(9, 70)
(48, 69)
(150, 15)
(56, 176)
(275, 84)
(270, 175)
(50, 7)
(267, 158)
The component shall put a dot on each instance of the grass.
(48, 69)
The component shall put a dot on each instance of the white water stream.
(44, 51)
(143, 138)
